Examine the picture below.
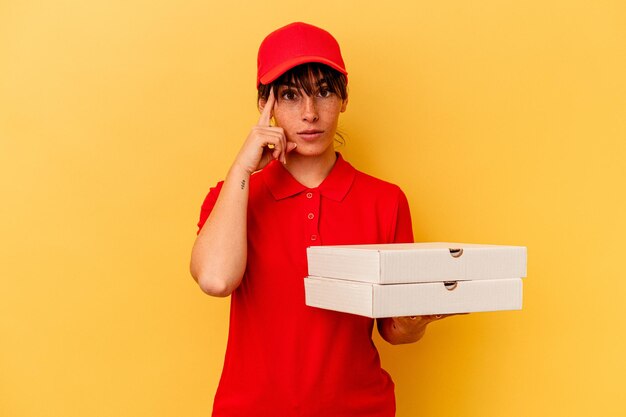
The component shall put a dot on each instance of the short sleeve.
(208, 204)
(404, 227)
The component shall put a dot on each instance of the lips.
(310, 133)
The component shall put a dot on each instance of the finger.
(428, 318)
(283, 141)
(278, 133)
(266, 114)
(270, 151)
(275, 148)
(443, 316)
(274, 138)
(269, 131)
(412, 320)
(291, 146)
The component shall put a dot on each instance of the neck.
(310, 171)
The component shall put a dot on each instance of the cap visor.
(279, 70)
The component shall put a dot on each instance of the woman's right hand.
(264, 142)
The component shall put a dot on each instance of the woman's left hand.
(417, 321)
(409, 329)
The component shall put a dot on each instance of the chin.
(314, 149)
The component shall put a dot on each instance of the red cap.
(295, 44)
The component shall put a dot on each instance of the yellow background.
(504, 122)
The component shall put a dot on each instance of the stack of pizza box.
(409, 279)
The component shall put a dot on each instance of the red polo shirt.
(287, 359)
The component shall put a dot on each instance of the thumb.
(291, 146)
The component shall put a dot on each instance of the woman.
(288, 189)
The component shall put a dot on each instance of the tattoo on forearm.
(243, 184)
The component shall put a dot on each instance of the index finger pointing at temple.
(266, 114)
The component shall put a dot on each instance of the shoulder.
(381, 196)
(374, 182)
(375, 186)
(387, 203)
(211, 198)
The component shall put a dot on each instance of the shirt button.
(309, 195)
(313, 237)
(311, 215)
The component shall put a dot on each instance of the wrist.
(239, 171)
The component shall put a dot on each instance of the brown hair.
(302, 78)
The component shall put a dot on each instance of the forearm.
(219, 254)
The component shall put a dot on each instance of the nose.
(309, 109)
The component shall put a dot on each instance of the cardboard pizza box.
(390, 280)
(393, 300)
(417, 262)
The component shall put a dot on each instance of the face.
(309, 121)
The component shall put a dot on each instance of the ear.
(344, 104)
(261, 104)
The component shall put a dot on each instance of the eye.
(289, 95)
(324, 92)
